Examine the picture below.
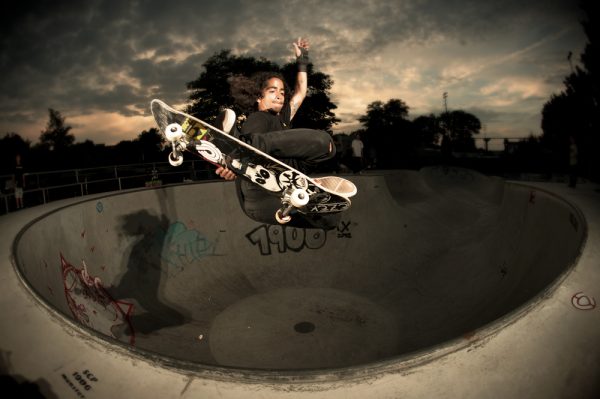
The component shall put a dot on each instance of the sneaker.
(225, 120)
(337, 184)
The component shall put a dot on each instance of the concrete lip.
(423, 264)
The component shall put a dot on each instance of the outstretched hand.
(300, 44)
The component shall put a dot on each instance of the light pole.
(445, 96)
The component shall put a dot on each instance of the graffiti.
(286, 238)
(343, 229)
(73, 386)
(331, 207)
(83, 381)
(532, 197)
(99, 207)
(182, 246)
(583, 302)
(92, 305)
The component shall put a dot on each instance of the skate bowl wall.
(423, 260)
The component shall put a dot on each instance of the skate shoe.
(226, 120)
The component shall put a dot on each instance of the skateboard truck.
(174, 133)
(292, 198)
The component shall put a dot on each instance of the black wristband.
(303, 60)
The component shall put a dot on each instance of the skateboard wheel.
(299, 198)
(282, 219)
(173, 132)
(175, 159)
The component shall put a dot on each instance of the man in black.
(268, 129)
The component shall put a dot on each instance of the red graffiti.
(583, 302)
(92, 305)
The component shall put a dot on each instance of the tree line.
(387, 131)
(391, 138)
(56, 149)
(573, 114)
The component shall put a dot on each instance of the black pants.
(301, 149)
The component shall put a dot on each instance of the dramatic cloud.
(101, 62)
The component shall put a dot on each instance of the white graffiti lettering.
(286, 238)
(332, 207)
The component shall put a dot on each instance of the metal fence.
(43, 187)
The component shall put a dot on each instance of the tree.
(460, 126)
(389, 132)
(557, 124)
(576, 110)
(382, 116)
(428, 129)
(150, 143)
(210, 92)
(56, 137)
(11, 145)
(84, 155)
(374, 120)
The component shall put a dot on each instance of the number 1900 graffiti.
(286, 238)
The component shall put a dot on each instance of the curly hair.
(246, 90)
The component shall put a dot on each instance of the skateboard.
(297, 192)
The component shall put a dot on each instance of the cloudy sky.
(100, 62)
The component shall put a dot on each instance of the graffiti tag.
(183, 246)
(343, 229)
(83, 381)
(583, 302)
(285, 238)
(92, 305)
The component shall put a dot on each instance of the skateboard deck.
(297, 191)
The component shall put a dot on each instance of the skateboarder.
(268, 129)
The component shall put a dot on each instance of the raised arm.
(301, 49)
